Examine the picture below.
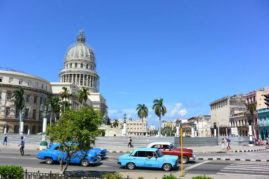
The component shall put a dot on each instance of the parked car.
(167, 148)
(85, 158)
(148, 157)
(100, 152)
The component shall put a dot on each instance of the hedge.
(11, 171)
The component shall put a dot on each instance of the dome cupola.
(80, 51)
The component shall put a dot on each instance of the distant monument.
(124, 130)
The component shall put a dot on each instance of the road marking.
(196, 165)
(235, 174)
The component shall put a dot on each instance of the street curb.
(230, 159)
(250, 150)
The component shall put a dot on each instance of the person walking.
(222, 144)
(130, 142)
(22, 146)
(5, 140)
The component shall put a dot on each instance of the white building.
(222, 111)
(79, 71)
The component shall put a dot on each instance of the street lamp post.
(44, 143)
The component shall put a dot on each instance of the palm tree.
(115, 123)
(19, 103)
(142, 111)
(83, 95)
(252, 109)
(54, 102)
(160, 110)
(65, 95)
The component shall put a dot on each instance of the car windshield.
(159, 153)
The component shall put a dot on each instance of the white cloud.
(176, 111)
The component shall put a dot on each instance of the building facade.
(36, 90)
(79, 71)
(222, 111)
(263, 123)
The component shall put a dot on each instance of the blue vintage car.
(100, 152)
(148, 157)
(52, 155)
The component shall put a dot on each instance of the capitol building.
(78, 72)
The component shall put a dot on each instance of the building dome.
(80, 51)
(79, 66)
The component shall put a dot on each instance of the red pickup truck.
(168, 148)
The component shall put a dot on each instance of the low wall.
(209, 141)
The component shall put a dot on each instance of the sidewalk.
(135, 175)
(196, 150)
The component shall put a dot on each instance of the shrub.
(11, 171)
(111, 176)
(171, 176)
(202, 177)
(140, 178)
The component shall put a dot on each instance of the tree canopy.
(142, 111)
(75, 131)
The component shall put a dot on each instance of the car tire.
(84, 162)
(185, 159)
(130, 166)
(49, 161)
(167, 167)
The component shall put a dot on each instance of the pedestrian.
(22, 144)
(222, 143)
(228, 143)
(130, 142)
(5, 140)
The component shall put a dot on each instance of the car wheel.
(49, 161)
(167, 167)
(84, 162)
(185, 159)
(131, 166)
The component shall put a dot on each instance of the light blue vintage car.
(148, 157)
(52, 155)
(100, 152)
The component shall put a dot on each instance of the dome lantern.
(81, 37)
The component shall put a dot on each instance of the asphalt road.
(29, 161)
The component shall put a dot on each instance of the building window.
(0, 95)
(1, 79)
(29, 83)
(41, 100)
(7, 111)
(42, 86)
(81, 65)
(20, 81)
(70, 65)
(10, 80)
(76, 65)
(87, 66)
(27, 98)
(26, 113)
(9, 95)
(35, 99)
(34, 114)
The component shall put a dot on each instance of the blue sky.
(188, 52)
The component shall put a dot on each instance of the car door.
(139, 158)
(151, 159)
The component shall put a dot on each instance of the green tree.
(252, 109)
(160, 110)
(83, 95)
(142, 111)
(54, 102)
(115, 123)
(19, 103)
(65, 96)
(75, 131)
